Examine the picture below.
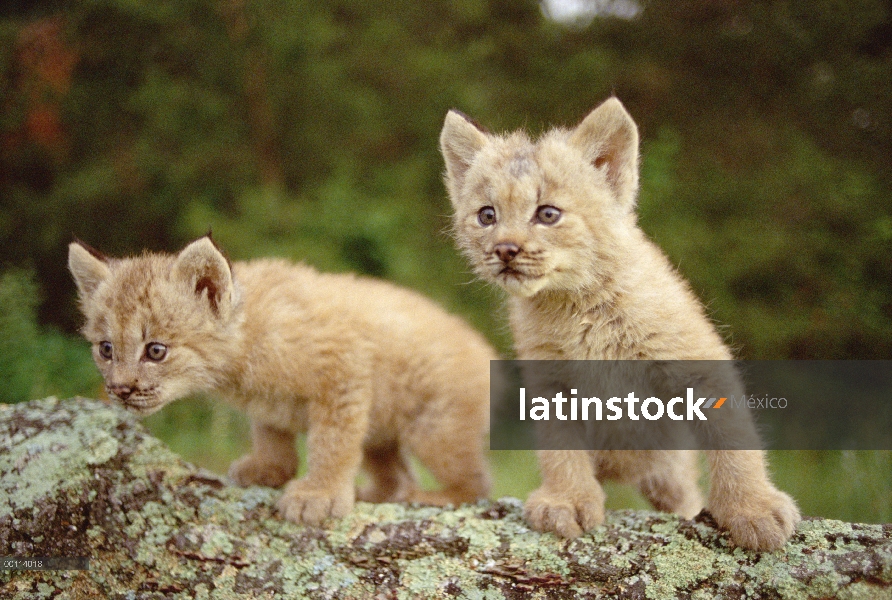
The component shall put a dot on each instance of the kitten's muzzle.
(506, 251)
(135, 399)
(121, 391)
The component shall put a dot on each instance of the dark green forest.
(309, 130)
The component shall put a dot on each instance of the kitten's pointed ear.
(460, 141)
(608, 138)
(88, 267)
(206, 271)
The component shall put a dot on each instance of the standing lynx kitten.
(369, 370)
(553, 223)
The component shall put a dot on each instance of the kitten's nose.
(121, 391)
(506, 251)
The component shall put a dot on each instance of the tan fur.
(591, 286)
(369, 370)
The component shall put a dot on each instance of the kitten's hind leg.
(392, 479)
(673, 486)
(272, 460)
(455, 457)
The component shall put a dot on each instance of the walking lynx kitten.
(369, 370)
(553, 222)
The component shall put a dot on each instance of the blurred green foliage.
(36, 362)
(309, 130)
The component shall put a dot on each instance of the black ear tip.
(468, 119)
(209, 236)
(214, 243)
(93, 251)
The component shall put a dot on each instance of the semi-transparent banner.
(687, 405)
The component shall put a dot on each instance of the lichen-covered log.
(80, 478)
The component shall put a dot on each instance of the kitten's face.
(541, 216)
(152, 332)
(531, 216)
(138, 338)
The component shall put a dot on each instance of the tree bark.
(81, 478)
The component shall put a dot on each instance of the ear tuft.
(204, 268)
(608, 137)
(88, 266)
(460, 141)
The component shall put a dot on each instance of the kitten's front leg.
(570, 500)
(743, 500)
(334, 453)
(272, 460)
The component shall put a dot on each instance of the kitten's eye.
(156, 351)
(486, 216)
(105, 350)
(548, 215)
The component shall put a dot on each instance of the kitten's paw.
(764, 521)
(250, 470)
(308, 506)
(566, 515)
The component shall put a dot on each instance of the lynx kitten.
(370, 371)
(553, 222)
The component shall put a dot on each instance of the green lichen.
(864, 591)
(428, 577)
(678, 566)
(50, 460)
